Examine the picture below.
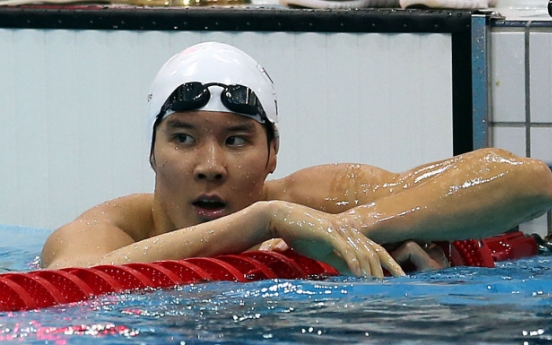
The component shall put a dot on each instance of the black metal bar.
(462, 129)
(234, 19)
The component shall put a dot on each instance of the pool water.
(511, 304)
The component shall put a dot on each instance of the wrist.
(272, 212)
(263, 213)
(368, 221)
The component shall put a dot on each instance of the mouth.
(209, 207)
(209, 204)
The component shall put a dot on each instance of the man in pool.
(213, 117)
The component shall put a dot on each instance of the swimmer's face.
(209, 165)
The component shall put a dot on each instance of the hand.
(334, 239)
(430, 257)
(274, 245)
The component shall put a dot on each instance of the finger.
(436, 253)
(370, 254)
(386, 260)
(376, 252)
(265, 246)
(391, 265)
(412, 252)
(357, 253)
(268, 245)
(377, 271)
(367, 257)
(372, 257)
(422, 260)
(281, 246)
(402, 254)
(348, 254)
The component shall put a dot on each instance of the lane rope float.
(46, 288)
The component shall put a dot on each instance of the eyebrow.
(177, 123)
(243, 126)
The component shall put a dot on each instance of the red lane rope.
(45, 288)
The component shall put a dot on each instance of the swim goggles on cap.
(195, 95)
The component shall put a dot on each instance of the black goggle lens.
(195, 95)
(241, 99)
(189, 96)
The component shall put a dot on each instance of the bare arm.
(100, 230)
(475, 195)
(478, 194)
(307, 230)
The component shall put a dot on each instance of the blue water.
(511, 304)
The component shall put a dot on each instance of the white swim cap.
(212, 62)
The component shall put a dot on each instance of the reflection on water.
(511, 304)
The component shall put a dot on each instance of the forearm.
(483, 196)
(319, 235)
(231, 234)
(234, 233)
(96, 244)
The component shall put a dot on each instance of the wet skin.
(211, 198)
(208, 167)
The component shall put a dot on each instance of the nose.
(211, 164)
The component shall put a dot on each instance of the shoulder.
(132, 214)
(100, 230)
(330, 187)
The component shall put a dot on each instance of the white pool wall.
(521, 87)
(72, 107)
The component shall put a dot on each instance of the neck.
(161, 222)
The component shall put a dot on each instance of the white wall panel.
(521, 65)
(541, 144)
(507, 76)
(72, 107)
(541, 82)
(512, 139)
(8, 143)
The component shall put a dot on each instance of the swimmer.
(213, 121)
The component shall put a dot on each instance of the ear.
(272, 158)
(152, 161)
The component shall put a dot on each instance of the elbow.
(546, 173)
(536, 176)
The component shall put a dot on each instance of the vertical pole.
(480, 80)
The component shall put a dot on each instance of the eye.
(235, 141)
(184, 138)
